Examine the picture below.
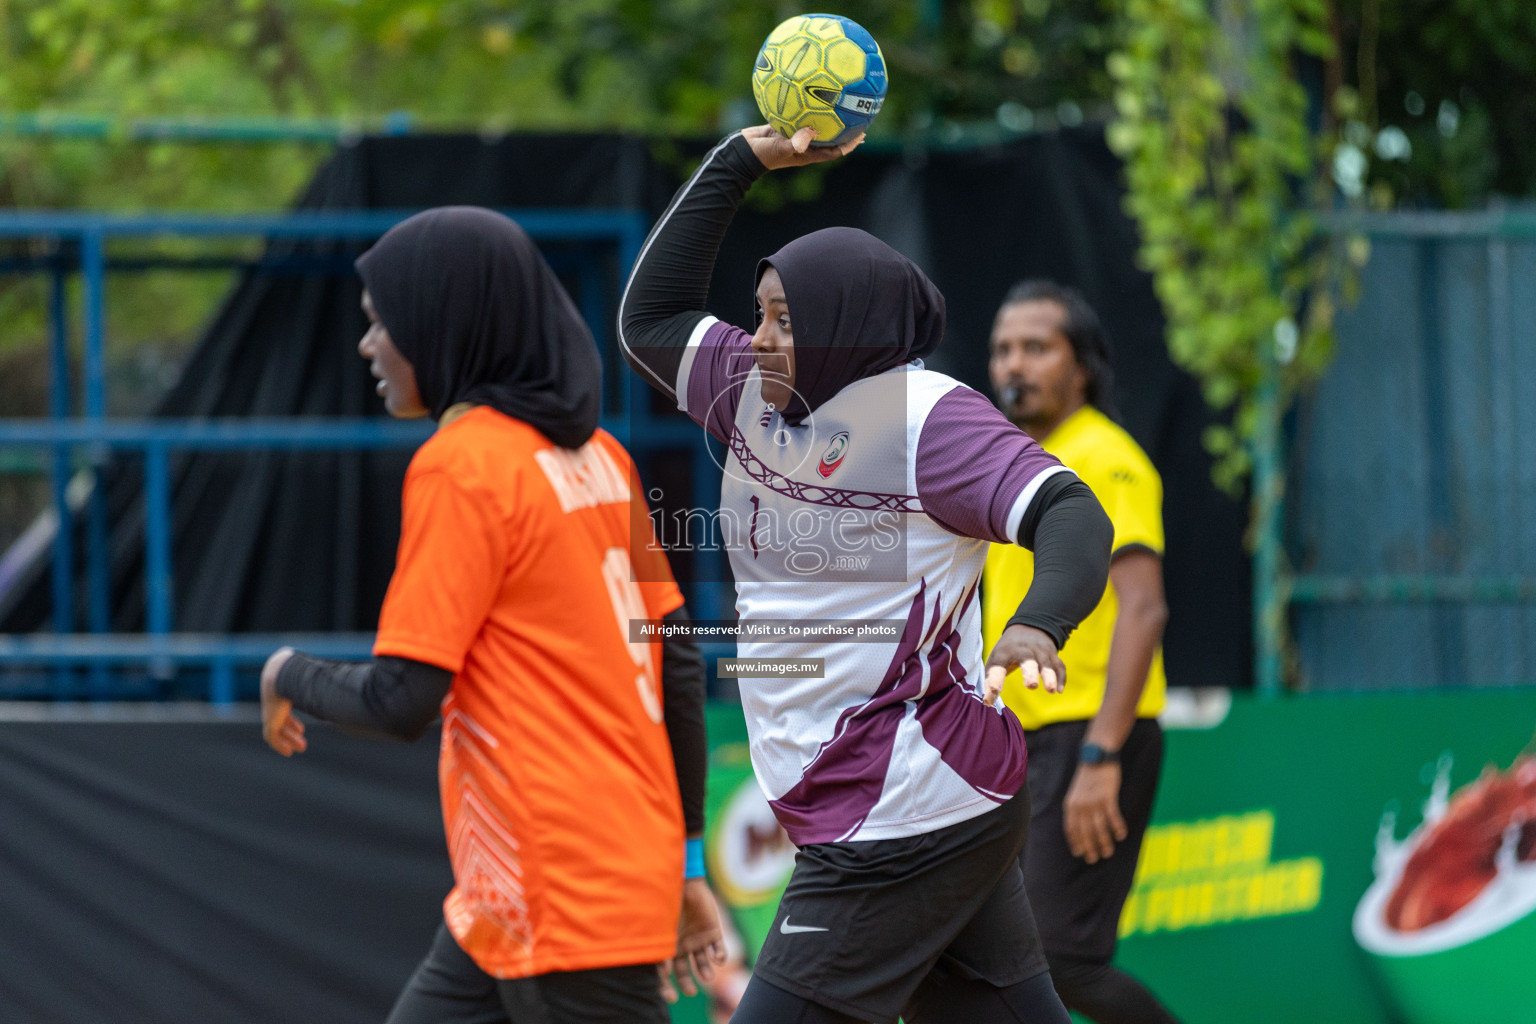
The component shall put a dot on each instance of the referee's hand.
(1033, 653)
(1090, 813)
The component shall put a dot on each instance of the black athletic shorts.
(449, 988)
(1077, 904)
(862, 924)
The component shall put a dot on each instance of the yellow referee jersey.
(1119, 473)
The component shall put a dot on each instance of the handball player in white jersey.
(861, 487)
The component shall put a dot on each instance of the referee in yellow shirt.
(1095, 750)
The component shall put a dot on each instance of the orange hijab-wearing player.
(573, 760)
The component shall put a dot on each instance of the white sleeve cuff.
(1026, 496)
(686, 366)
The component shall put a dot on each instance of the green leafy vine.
(1224, 173)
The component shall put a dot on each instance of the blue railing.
(89, 232)
(220, 653)
(202, 129)
(1460, 416)
(80, 244)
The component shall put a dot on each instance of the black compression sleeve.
(394, 696)
(1070, 535)
(682, 697)
(665, 297)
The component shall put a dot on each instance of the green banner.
(1269, 832)
(1290, 873)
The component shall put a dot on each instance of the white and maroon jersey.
(879, 506)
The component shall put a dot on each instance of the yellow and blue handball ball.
(820, 71)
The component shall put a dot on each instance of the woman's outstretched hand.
(281, 729)
(775, 151)
(1033, 653)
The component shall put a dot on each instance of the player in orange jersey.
(573, 759)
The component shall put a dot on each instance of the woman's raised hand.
(775, 151)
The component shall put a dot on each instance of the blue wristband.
(693, 858)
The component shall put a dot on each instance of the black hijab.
(857, 307)
(468, 300)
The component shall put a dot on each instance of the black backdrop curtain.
(305, 542)
(165, 872)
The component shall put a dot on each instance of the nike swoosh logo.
(790, 929)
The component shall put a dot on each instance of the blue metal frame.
(1270, 595)
(221, 653)
(201, 129)
(1275, 587)
(92, 437)
(551, 224)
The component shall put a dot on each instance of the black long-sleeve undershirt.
(1070, 535)
(682, 706)
(400, 698)
(665, 297)
(395, 697)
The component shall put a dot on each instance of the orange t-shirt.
(516, 573)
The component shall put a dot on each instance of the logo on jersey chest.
(833, 456)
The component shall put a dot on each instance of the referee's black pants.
(1077, 905)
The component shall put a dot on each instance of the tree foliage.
(1446, 91)
(1213, 119)
(659, 66)
(1221, 165)
(655, 66)
(1241, 121)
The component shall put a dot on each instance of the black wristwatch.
(1092, 753)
